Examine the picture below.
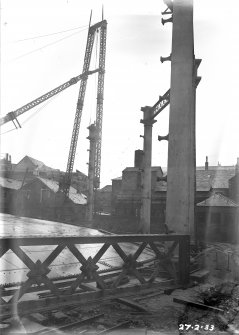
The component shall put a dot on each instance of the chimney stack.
(237, 167)
(206, 164)
(138, 159)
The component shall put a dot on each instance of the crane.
(12, 116)
(164, 100)
(102, 26)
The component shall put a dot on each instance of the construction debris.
(132, 304)
(197, 304)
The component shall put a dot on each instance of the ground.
(165, 317)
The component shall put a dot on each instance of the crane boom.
(13, 115)
(80, 103)
(163, 102)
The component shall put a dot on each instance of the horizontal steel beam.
(46, 240)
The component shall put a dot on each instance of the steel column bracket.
(170, 19)
(148, 122)
(167, 11)
(148, 116)
(197, 62)
(161, 138)
(164, 59)
(197, 80)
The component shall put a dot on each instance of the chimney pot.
(138, 159)
(206, 163)
(237, 167)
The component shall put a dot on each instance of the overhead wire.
(40, 108)
(8, 131)
(46, 35)
(47, 45)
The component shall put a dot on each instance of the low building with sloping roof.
(28, 168)
(32, 164)
(217, 219)
(8, 189)
(41, 198)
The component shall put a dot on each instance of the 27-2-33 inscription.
(196, 327)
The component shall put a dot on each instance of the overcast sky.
(33, 63)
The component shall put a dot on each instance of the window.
(26, 194)
(45, 194)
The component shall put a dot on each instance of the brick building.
(215, 185)
(8, 190)
(103, 200)
(40, 198)
(217, 219)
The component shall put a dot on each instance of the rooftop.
(206, 180)
(217, 200)
(77, 198)
(153, 168)
(10, 183)
(107, 188)
(38, 164)
(117, 178)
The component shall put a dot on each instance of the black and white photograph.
(119, 167)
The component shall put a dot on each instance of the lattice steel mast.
(80, 102)
(100, 99)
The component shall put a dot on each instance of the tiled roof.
(217, 200)
(131, 169)
(153, 168)
(206, 180)
(10, 183)
(221, 178)
(35, 161)
(38, 164)
(80, 173)
(107, 188)
(217, 167)
(77, 198)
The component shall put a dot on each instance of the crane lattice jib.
(100, 98)
(79, 108)
(161, 104)
(14, 114)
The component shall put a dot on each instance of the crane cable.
(46, 35)
(33, 114)
(47, 45)
(40, 108)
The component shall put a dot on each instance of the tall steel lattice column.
(100, 99)
(80, 102)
